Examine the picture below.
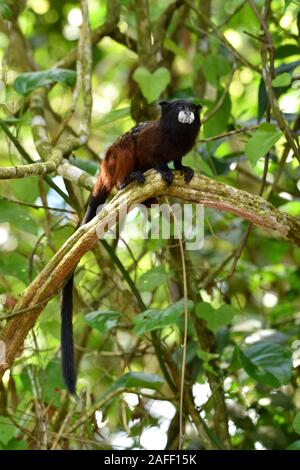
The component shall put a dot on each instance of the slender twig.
(225, 135)
(220, 102)
(36, 206)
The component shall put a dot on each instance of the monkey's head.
(182, 112)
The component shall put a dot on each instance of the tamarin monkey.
(147, 145)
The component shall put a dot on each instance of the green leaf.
(284, 79)
(206, 356)
(16, 444)
(5, 11)
(25, 190)
(291, 207)
(260, 375)
(214, 67)
(262, 93)
(86, 165)
(173, 47)
(139, 379)
(152, 84)
(14, 264)
(18, 216)
(261, 142)
(27, 82)
(113, 116)
(152, 279)
(268, 363)
(215, 318)
(296, 423)
(287, 50)
(154, 319)
(102, 320)
(218, 122)
(294, 446)
(7, 430)
(53, 383)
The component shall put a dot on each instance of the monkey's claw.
(167, 176)
(139, 176)
(188, 174)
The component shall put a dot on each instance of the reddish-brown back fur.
(118, 163)
(129, 153)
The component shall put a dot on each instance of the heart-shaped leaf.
(27, 82)
(215, 318)
(261, 142)
(152, 84)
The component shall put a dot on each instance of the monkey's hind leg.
(165, 172)
(134, 175)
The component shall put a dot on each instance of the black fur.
(175, 135)
(67, 344)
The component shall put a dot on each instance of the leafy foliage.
(27, 82)
(261, 142)
(138, 379)
(152, 319)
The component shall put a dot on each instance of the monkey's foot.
(187, 173)
(134, 175)
(166, 174)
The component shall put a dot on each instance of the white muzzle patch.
(186, 117)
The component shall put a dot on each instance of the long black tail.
(67, 343)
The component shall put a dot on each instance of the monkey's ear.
(163, 104)
(198, 106)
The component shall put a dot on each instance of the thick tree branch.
(201, 190)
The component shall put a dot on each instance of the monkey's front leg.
(165, 172)
(186, 171)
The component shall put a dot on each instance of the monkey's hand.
(165, 173)
(186, 171)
